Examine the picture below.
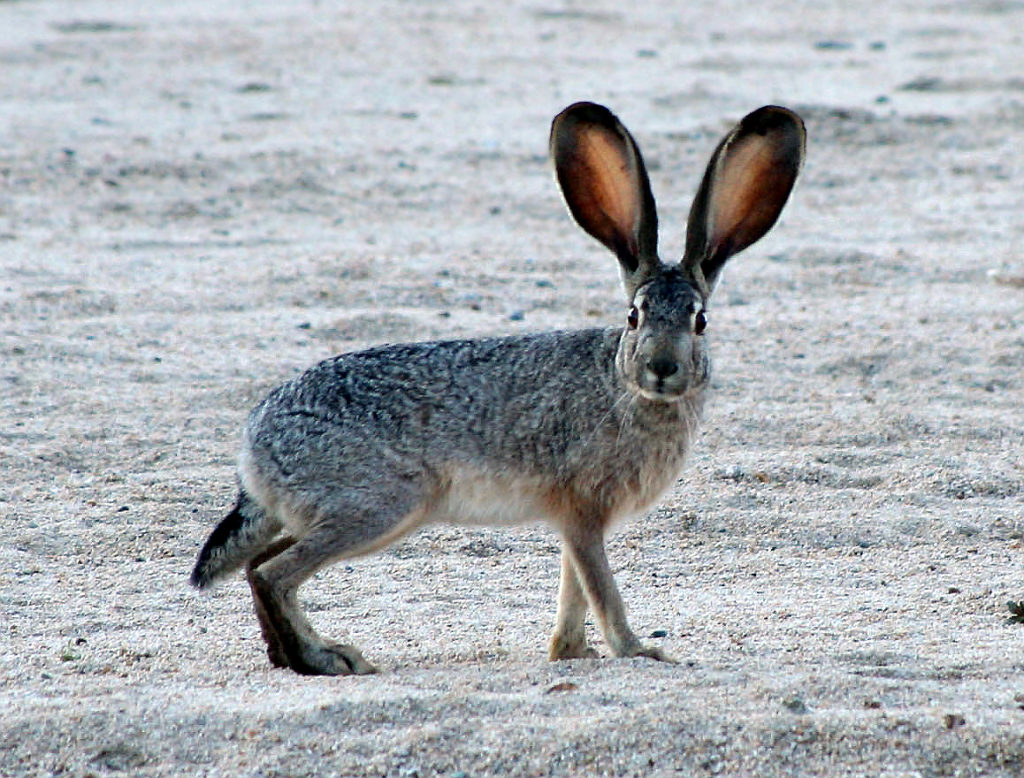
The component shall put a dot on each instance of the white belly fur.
(475, 499)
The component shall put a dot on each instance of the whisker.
(627, 417)
(625, 396)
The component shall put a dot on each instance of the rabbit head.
(661, 354)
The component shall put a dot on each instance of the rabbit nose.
(662, 367)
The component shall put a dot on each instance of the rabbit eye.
(633, 318)
(700, 322)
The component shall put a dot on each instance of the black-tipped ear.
(604, 182)
(744, 189)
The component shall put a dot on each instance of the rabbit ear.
(745, 186)
(604, 182)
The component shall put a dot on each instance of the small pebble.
(564, 686)
(833, 45)
(953, 720)
(795, 705)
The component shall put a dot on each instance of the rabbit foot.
(650, 652)
(331, 659)
(277, 656)
(561, 648)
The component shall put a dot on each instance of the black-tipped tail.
(241, 535)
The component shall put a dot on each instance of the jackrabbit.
(578, 428)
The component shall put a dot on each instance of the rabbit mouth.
(664, 391)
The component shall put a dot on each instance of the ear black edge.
(769, 118)
(585, 111)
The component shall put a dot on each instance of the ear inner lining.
(754, 184)
(601, 185)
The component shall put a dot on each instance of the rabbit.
(576, 428)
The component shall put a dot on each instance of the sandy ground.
(199, 199)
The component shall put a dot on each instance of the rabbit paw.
(277, 656)
(332, 659)
(652, 652)
(562, 648)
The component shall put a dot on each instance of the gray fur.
(578, 428)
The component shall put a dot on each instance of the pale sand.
(199, 199)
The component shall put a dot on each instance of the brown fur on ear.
(745, 187)
(604, 182)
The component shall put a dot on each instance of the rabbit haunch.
(579, 428)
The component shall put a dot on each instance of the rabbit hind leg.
(275, 648)
(291, 639)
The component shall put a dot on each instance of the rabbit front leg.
(569, 640)
(585, 547)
